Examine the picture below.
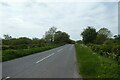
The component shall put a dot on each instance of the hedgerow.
(12, 54)
(110, 51)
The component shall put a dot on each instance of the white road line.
(59, 50)
(7, 77)
(45, 58)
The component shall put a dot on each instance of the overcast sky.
(31, 18)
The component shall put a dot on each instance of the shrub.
(116, 50)
(96, 66)
(12, 54)
(8, 54)
(108, 49)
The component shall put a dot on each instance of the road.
(55, 63)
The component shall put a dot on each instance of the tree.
(61, 37)
(6, 36)
(105, 32)
(103, 35)
(89, 35)
(100, 39)
(49, 35)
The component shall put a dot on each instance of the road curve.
(55, 63)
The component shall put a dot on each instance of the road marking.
(45, 58)
(7, 77)
(59, 50)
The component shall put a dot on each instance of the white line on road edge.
(5, 78)
(45, 57)
(59, 50)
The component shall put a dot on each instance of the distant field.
(92, 65)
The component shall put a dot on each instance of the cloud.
(32, 18)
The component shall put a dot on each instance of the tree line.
(102, 42)
(51, 37)
(18, 47)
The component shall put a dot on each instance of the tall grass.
(12, 54)
(92, 65)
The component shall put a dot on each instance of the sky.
(31, 18)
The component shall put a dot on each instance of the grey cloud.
(4, 4)
(72, 18)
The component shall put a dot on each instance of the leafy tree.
(61, 37)
(49, 35)
(105, 32)
(100, 39)
(89, 35)
(103, 35)
(6, 36)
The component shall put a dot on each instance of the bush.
(96, 66)
(8, 54)
(116, 50)
(12, 54)
(108, 50)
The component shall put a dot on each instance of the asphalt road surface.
(55, 63)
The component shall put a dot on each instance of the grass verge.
(92, 65)
(13, 54)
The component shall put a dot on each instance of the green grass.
(13, 54)
(92, 65)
